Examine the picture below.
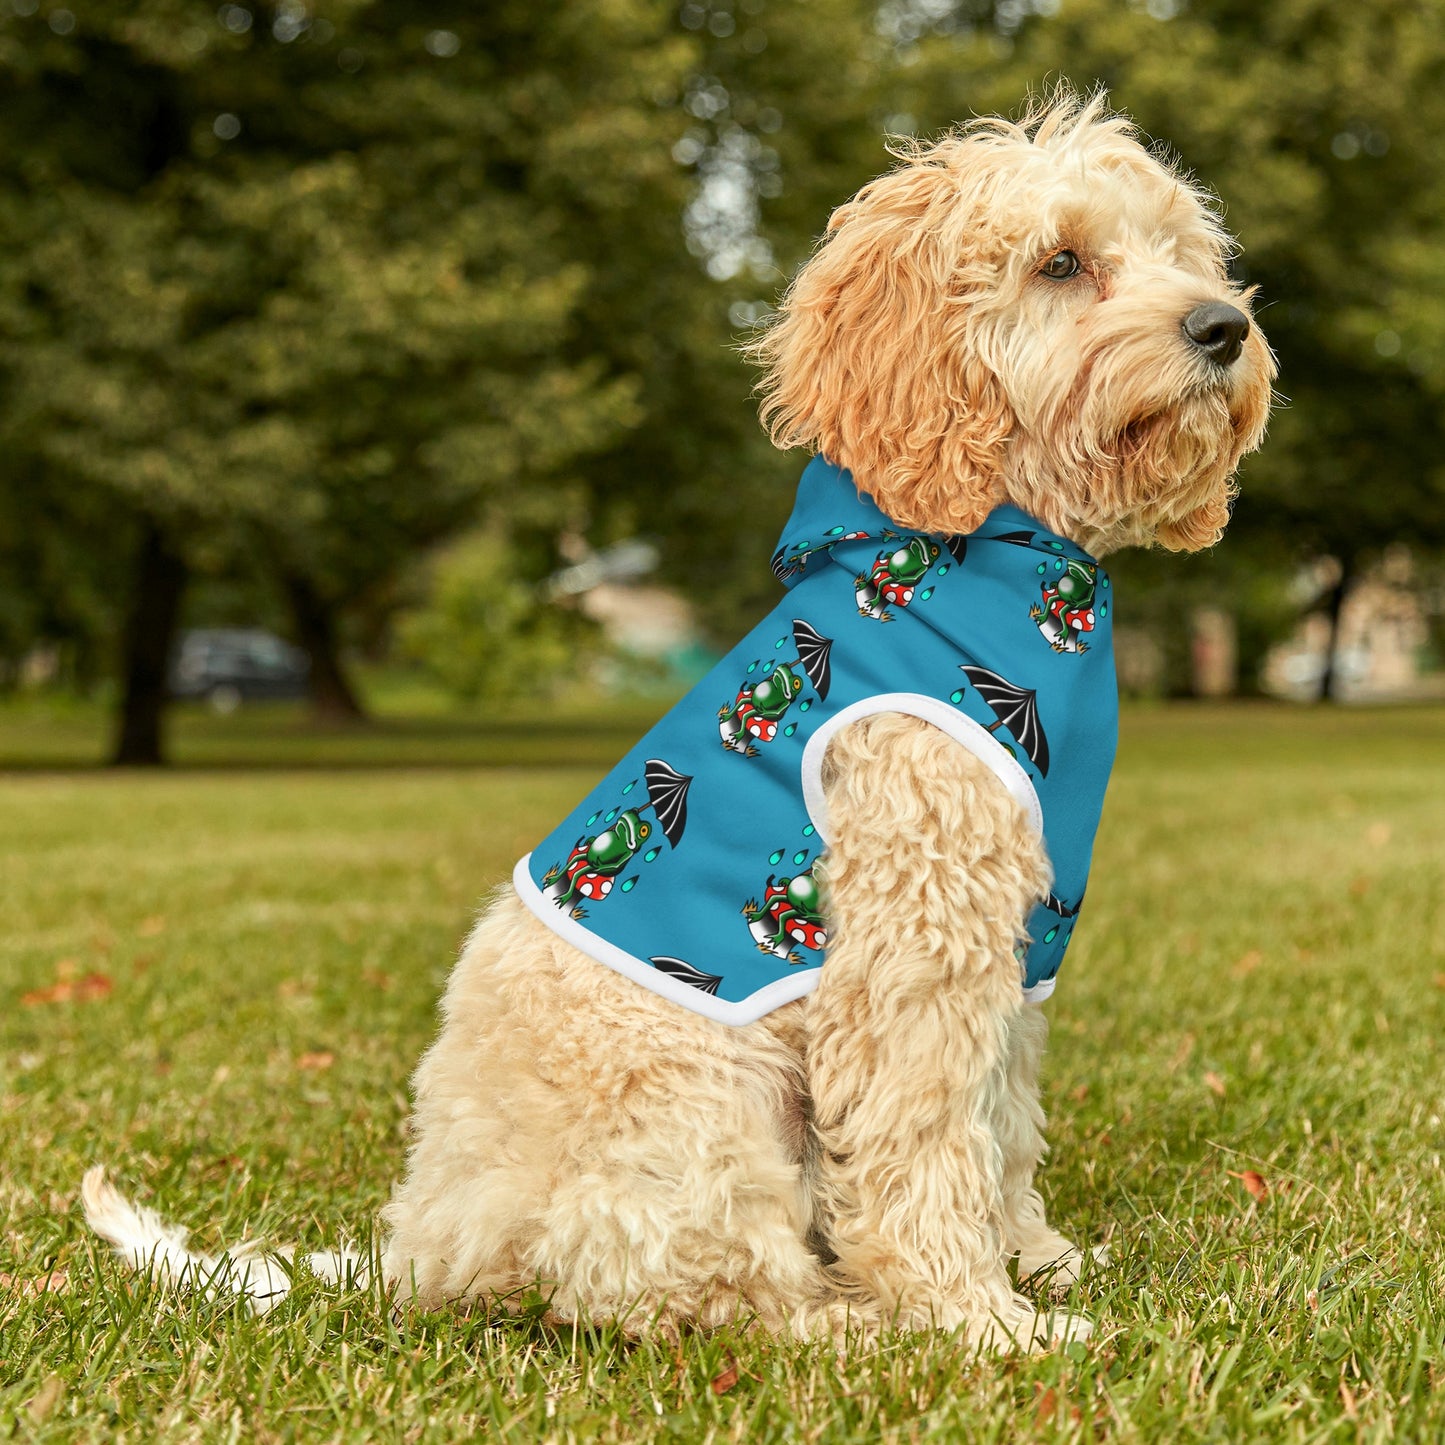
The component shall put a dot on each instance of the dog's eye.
(1060, 266)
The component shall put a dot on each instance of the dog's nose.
(1218, 331)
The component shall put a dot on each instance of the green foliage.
(315, 287)
(311, 289)
(1263, 921)
(484, 632)
(310, 297)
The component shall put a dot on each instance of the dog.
(1024, 319)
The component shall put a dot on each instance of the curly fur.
(921, 348)
(866, 1156)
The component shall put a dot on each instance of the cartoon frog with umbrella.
(791, 912)
(592, 866)
(753, 716)
(1065, 610)
(895, 575)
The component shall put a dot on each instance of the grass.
(216, 980)
(412, 726)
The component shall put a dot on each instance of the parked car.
(230, 665)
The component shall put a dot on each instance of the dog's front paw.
(1023, 1326)
(1057, 1267)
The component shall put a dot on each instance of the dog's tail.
(147, 1243)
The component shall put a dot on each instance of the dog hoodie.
(693, 866)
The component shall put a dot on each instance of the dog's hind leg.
(576, 1134)
(1018, 1125)
(931, 869)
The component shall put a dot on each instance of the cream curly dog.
(1033, 313)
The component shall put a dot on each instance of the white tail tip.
(148, 1244)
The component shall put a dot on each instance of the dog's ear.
(874, 358)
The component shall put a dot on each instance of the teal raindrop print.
(629, 787)
(801, 857)
(781, 642)
(593, 819)
(1057, 546)
(628, 884)
(775, 858)
(1058, 564)
(611, 814)
(1040, 569)
(752, 667)
(926, 594)
(835, 531)
(1052, 934)
(956, 696)
(1103, 582)
(651, 853)
(943, 571)
(804, 705)
(809, 830)
(1103, 609)
(790, 730)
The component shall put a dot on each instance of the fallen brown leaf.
(81, 990)
(56, 993)
(1080, 1094)
(724, 1382)
(320, 1059)
(1214, 1083)
(1254, 1182)
(377, 978)
(56, 1282)
(1248, 963)
(1046, 1408)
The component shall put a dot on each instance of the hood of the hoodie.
(831, 515)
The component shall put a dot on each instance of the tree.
(300, 289)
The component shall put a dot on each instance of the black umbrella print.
(813, 652)
(684, 972)
(1015, 709)
(1055, 904)
(667, 792)
(957, 547)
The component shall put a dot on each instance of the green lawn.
(217, 979)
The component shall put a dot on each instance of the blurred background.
(363, 361)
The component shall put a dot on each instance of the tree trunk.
(150, 629)
(333, 699)
(1329, 679)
